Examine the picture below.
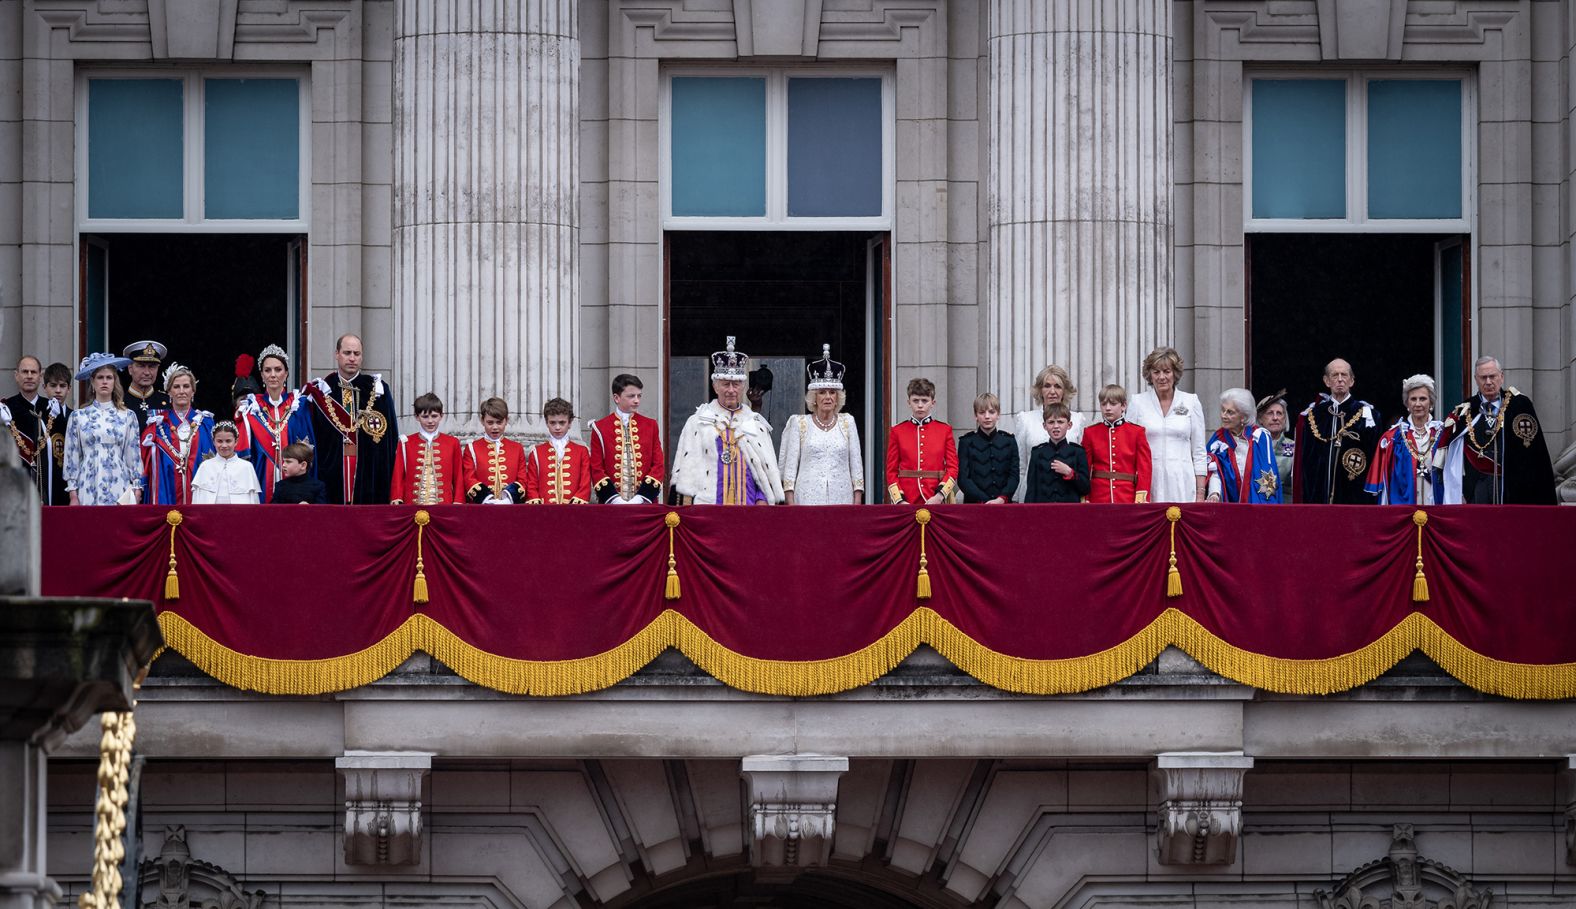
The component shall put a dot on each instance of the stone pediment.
(175, 880)
(1403, 879)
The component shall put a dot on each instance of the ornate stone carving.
(383, 806)
(1404, 880)
(1200, 806)
(793, 808)
(178, 881)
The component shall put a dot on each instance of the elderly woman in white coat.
(1052, 386)
(1174, 422)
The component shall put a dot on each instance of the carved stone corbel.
(1200, 806)
(793, 808)
(383, 806)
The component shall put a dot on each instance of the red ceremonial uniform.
(921, 459)
(1118, 462)
(428, 473)
(626, 458)
(494, 469)
(554, 480)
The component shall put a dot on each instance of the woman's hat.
(94, 362)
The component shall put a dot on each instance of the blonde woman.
(1174, 421)
(103, 459)
(1052, 385)
(821, 463)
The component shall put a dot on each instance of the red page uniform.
(428, 471)
(1118, 462)
(626, 459)
(494, 468)
(558, 478)
(921, 459)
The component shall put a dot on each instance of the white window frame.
(776, 217)
(1357, 220)
(193, 187)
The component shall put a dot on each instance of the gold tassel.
(172, 581)
(1419, 582)
(671, 590)
(1173, 576)
(922, 590)
(420, 594)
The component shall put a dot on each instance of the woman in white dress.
(225, 479)
(103, 453)
(820, 459)
(1052, 386)
(1174, 422)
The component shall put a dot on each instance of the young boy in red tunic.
(558, 471)
(427, 468)
(921, 455)
(1118, 452)
(494, 465)
(626, 450)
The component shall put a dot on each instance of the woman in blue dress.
(103, 464)
(176, 440)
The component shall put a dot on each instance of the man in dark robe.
(1492, 448)
(32, 420)
(1336, 438)
(356, 427)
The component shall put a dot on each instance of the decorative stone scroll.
(383, 806)
(1404, 880)
(1200, 806)
(793, 808)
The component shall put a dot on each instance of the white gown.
(822, 466)
(1028, 428)
(225, 481)
(1176, 443)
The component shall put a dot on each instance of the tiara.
(273, 350)
(177, 369)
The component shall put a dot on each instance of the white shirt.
(225, 481)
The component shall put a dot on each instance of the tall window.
(192, 150)
(1383, 151)
(778, 149)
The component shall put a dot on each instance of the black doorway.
(1372, 299)
(209, 298)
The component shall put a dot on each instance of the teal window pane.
(718, 147)
(134, 148)
(834, 147)
(251, 148)
(1299, 148)
(1414, 148)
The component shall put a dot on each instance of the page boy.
(1118, 452)
(558, 471)
(494, 465)
(427, 469)
(626, 450)
(298, 487)
(987, 457)
(921, 455)
(1058, 469)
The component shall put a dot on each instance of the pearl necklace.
(826, 427)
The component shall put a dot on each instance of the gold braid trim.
(109, 822)
(803, 678)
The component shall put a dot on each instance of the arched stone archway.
(851, 887)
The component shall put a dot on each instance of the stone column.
(1079, 191)
(486, 203)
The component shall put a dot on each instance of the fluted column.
(1079, 190)
(486, 210)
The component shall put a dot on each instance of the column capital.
(383, 805)
(793, 807)
(1199, 795)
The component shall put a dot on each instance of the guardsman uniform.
(921, 460)
(1120, 467)
(558, 474)
(145, 403)
(494, 470)
(626, 459)
(427, 471)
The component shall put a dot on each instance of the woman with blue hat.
(103, 459)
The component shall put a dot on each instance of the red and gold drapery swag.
(810, 601)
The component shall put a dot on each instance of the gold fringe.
(1419, 583)
(671, 590)
(922, 588)
(419, 595)
(172, 581)
(1173, 576)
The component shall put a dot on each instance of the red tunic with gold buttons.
(921, 459)
(626, 458)
(494, 469)
(554, 480)
(1119, 462)
(428, 473)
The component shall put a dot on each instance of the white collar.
(492, 441)
(622, 417)
(345, 381)
(1339, 401)
(559, 442)
(426, 435)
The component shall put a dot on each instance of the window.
(1382, 151)
(192, 150)
(776, 149)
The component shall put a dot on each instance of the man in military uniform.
(33, 420)
(357, 432)
(141, 395)
(1492, 448)
(1336, 439)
